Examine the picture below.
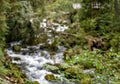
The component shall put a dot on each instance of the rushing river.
(32, 63)
(32, 58)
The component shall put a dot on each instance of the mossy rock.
(31, 82)
(45, 46)
(35, 82)
(53, 48)
(55, 71)
(50, 77)
(49, 47)
(17, 58)
(16, 48)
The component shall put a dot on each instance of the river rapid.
(32, 58)
(32, 62)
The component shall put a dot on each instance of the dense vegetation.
(92, 38)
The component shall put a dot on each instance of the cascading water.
(33, 63)
(32, 58)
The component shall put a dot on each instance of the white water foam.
(33, 65)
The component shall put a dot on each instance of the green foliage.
(19, 20)
(100, 22)
(50, 67)
(3, 26)
(91, 67)
(115, 42)
(89, 24)
(61, 5)
(74, 72)
(94, 20)
(3, 71)
(37, 4)
(3, 30)
(24, 24)
(1, 53)
(102, 63)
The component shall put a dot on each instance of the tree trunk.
(116, 6)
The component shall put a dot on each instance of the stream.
(32, 63)
(32, 58)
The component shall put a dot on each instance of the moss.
(31, 82)
(50, 77)
(16, 48)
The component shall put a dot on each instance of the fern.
(3, 71)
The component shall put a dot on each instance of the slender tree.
(3, 26)
(116, 7)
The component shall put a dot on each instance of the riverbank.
(4, 81)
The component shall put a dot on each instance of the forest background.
(97, 20)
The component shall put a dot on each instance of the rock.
(31, 82)
(16, 58)
(50, 77)
(89, 71)
(16, 48)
